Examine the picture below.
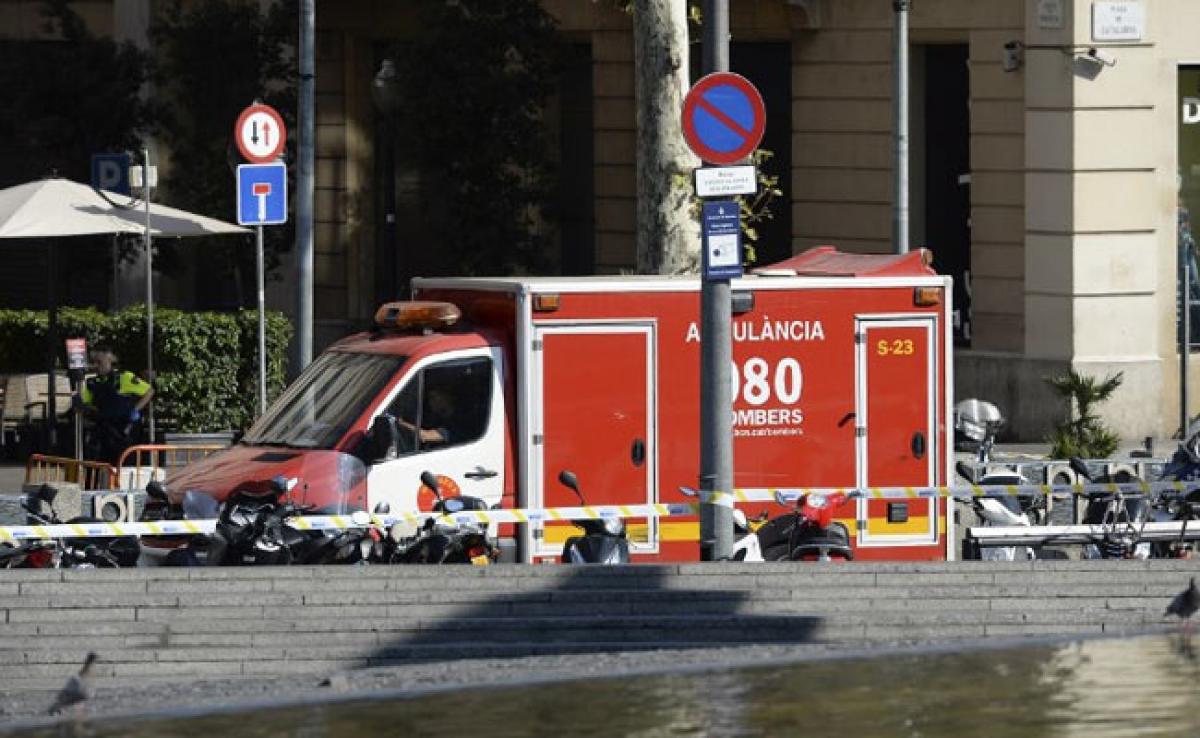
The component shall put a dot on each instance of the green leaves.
(206, 364)
(211, 60)
(482, 151)
(67, 99)
(1083, 434)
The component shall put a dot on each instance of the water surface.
(1146, 686)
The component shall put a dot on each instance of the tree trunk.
(668, 240)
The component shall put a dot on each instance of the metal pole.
(716, 350)
(304, 185)
(52, 351)
(900, 124)
(149, 290)
(262, 326)
(1185, 340)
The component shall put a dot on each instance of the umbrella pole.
(51, 343)
(149, 293)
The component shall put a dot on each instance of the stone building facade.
(1048, 175)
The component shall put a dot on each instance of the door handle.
(480, 473)
(918, 445)
(638, 452)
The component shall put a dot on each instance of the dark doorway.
(769, 67)
(947, 135)
(576, 163)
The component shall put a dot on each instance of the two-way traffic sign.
(262, 194)
(260, 133)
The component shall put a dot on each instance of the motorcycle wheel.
(432, 550)
(778, 552)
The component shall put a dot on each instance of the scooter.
(746, 546)
(976, 424)
(603, 540)
(808, 532)
(439, 541)
(67, 553)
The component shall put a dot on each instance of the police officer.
(116, 400)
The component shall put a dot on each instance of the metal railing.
(140, 465)
(89, 475)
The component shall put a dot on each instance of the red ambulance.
(841, 378)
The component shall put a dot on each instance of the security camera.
(1101, 56)
(1014, 56)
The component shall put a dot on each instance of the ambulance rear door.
(594, 413)
(897, 400)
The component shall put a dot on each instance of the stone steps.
(157, 624)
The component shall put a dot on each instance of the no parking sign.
(723, 118)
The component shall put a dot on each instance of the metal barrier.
(1051, 535)
(140, 465)
(89, 475)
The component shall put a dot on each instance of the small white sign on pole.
(1118, 21)
(726, 181)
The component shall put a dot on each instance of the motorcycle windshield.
(329, 482)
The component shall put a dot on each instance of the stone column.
(1092, 213)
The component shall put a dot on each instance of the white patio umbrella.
(56, 208)
(52, 208)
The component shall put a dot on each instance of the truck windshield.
(324, 401)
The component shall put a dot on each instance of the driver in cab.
(436, 420)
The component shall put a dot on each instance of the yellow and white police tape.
(16, 533)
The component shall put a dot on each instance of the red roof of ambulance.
(827, 261)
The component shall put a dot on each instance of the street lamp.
(385, 93)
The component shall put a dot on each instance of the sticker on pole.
(723, 118)
(77, 353)
(260, 133)
(262, 194)
(722, 231)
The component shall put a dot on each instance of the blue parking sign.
(262, 194)
(111, 172)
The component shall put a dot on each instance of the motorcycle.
(252, 529)
(66, 553)
(1184, 466)
(808, 532)
(603, 540)
(438, 541)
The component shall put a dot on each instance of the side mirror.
(383, 508)
(569, 480)
(431, 482)
(46, 493)
(1080, 467)
(383, 438)
(282, 485)
(155, 490)
(965, 472)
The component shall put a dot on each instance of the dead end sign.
(723, 118)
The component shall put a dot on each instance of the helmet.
(973, 417)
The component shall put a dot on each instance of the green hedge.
(206, 363)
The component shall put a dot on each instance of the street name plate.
(726, 181)
(1113, 21)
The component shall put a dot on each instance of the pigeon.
(1185, 603)
(77, 690)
